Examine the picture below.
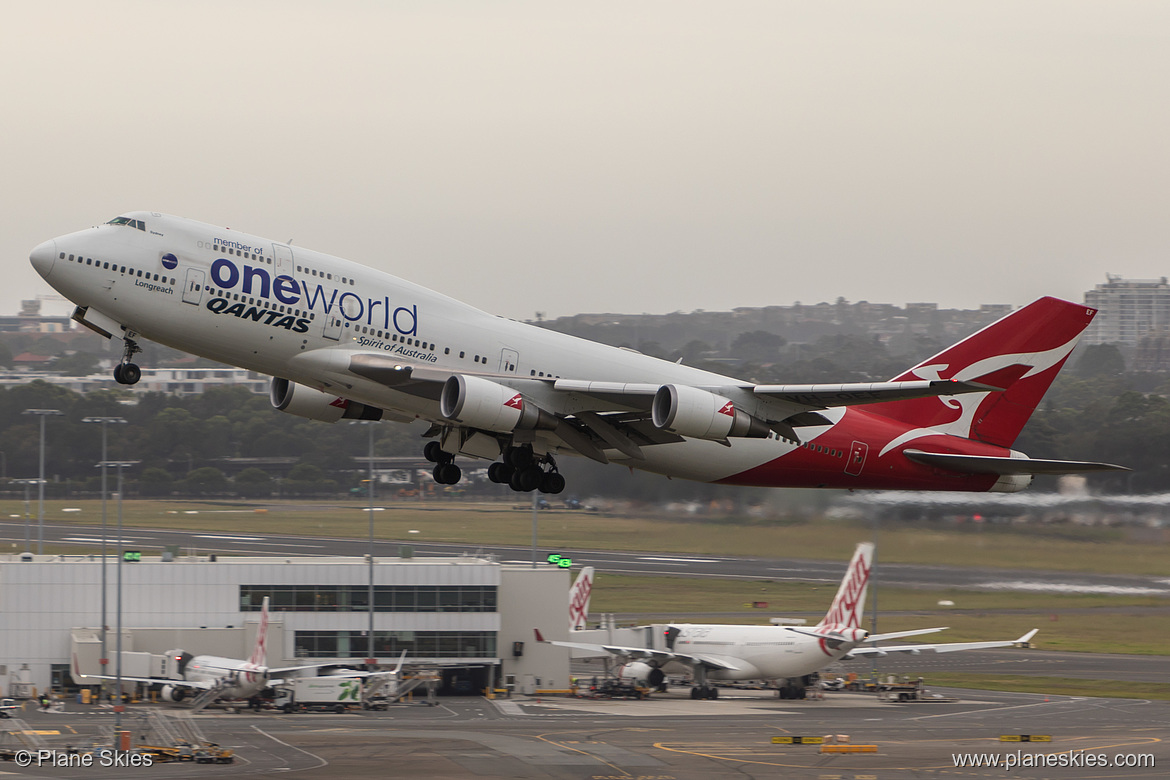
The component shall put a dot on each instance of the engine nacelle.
(689, 411)
(641, 675)
(1011, 483)
(481, 403)
(306, 402)
(172, 693)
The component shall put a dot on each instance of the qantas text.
(256, 314)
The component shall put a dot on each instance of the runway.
(646, 563)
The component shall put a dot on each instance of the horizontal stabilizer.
(982, 464)
(904, 634)
(858, 393)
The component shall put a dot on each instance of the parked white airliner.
(783, 655)
(344, 341)
(214, 677)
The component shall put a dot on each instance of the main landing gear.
(523, 472)
(520, 469)
(127, 373)
(702, 689)
(445, 471)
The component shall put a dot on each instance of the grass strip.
(1053, 686)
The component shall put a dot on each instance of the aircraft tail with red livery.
(1023, 353)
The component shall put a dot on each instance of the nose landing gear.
(127, 373)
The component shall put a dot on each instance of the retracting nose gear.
(126, 372)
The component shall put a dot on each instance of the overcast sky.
(625, 156)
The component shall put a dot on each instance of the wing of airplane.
(592, 416)
(941, 648)
(151, 680)
(980, 464)
(647, 654)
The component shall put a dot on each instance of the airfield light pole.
(27, 514)
(370, 659)
(120, 706)
(42, 413)
(873, 589)
(535, 524)
(105, 422)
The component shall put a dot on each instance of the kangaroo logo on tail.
(1022, 353)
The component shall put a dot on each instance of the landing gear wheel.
(519, 457)
(434, 452)
(500, 473)
(712, 692)
(447, 473)
(127, 373)
(529, 479)
(552, 483)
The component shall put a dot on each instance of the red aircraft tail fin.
(1022, 352)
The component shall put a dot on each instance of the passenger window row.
(410, 342)
(106, 266)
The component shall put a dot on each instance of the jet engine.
(306, 402)
(172, 693)
(481, 403)
(1012, 483)
(641, 674)
(698, 414)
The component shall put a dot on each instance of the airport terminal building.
(472, 616)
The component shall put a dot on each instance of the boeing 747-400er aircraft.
(343, 341)
(785, 656)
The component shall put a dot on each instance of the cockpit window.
(134, 223)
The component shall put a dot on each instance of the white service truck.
(319, 694)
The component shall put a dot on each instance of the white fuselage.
(762, 652)
(298, 314)
(238, 679)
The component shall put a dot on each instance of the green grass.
(1075, 622)
(1068, 622)
(629, 593)
(1030, 547)
(1054, 686)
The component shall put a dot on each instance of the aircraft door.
(856, 460)
(332, 326)
(193, 289)
(284, 260)
(508, 360)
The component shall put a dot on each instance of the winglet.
(1027, 637)
(539, 636)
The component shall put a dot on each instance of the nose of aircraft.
(43, 257)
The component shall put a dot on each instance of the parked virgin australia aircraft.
(344, 341)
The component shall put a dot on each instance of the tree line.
(1096, 410)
